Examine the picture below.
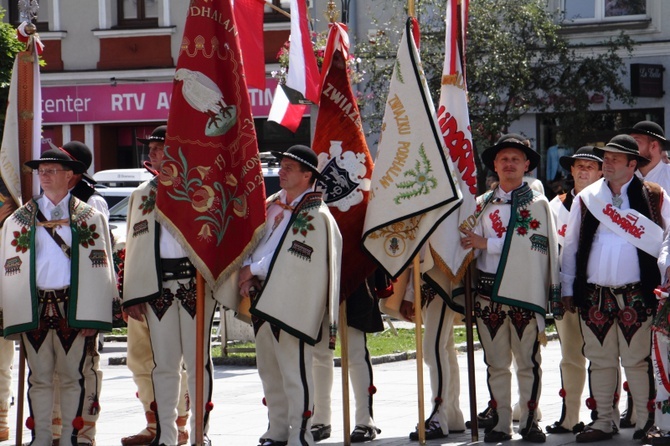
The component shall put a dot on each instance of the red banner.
(210, 192)
(344, 160)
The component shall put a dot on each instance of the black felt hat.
(157, 135)
(510, 141)
(80, 152)
(648, 128)
(624, 144)
(587, 153)
(60, 157)
(302, 154)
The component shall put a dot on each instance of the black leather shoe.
(556, 428)
(590, 435)
(433, 432)
(321, 431)
(362, 433)
(496, 437)
(270, 442)
(625, 421)
(533, 434)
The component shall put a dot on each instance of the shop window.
(604, 10)
(272, 15)
(137, 13)
(42, 22)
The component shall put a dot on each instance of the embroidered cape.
(304, 277)
(527, 275)
(142, 277)
(92, 283)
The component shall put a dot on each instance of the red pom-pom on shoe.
(651, 405)
(306, 414)
(591, 403)
(153, 406)
(493, 404)
(372, 390)
(265, 403)
(209, 406)
(438, 400)
(625, 386)
(561, 393)
(30, 423)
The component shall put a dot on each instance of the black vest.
(646, 199)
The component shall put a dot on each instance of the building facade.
(109, 71)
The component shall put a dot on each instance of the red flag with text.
(344, 159)
(454, 122)
(210, 193)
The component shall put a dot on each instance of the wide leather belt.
(174, 269)
(53, 296)
(615, 289)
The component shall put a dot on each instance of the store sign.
(646, 80)
(138, 102)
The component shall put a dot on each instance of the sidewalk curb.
(251, 361)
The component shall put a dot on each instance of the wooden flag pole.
(199, 357)
(419, 349)
(469, 338)
(278, 9)
(26, 122)
(344, 364)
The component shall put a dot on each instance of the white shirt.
(169, 246)
(660, 175)
(99, 204)
(52, 269)
(276, 221)
(612, 261)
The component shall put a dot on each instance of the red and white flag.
(413, 186)
(344, 159)
(249, 22)
(303, 71)
(209, 194)
(284, 113)
(454, 123)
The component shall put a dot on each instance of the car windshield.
(120, 210)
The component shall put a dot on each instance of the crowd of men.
(597, 256)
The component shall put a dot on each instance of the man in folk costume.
(363, 316)
(159, 286)
(660, 352)
(301, 245)
(64, 263)
(439, 354)
(81, 186)
(517, 260)
(608, 274)
(652, 143)
(586, 168)
(140, 356)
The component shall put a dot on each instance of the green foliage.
(517, 61)
(9, 47)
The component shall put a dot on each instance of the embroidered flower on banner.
(526, 222)
(210, 200)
